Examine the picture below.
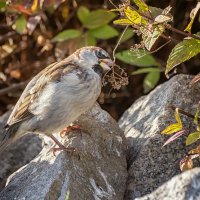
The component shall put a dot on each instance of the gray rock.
(185, 186)
(98, 171)
(18, 154)
(150, 164)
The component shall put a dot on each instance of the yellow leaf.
(134, 16)
(192, 137)
(34, 5)
(173, 128)
(192, 17)
(177, 117)
(123, 21)
(142, 5)
(116, 10)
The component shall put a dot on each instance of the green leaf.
(155, 11)
(172, 128)
(66, 35)
(20, 24)
(151, 34)
(192, 17)
(139, 58)
(165, 16)
(122, 21)
(161, 15)
(67, 196)
(150, 81)
(183, 51)
(104, 32)
(98, 18)
(90, 40)
(142, 5)
(83, 13)
(127, 35)
(146, 70)
(2, 4)
(192, 137)
(196, 117)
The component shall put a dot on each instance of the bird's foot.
(61, 147)
(68, 129)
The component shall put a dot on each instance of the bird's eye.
(100, 55)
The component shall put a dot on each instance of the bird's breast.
(61, 103)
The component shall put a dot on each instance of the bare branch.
(13, 88)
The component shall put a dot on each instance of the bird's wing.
(32, 91)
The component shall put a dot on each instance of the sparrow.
(58, 95)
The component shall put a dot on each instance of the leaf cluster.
(177, 129)
(152, 23)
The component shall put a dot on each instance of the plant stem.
(181, 32)
(169, 38)
(13, 87)
(184, 112)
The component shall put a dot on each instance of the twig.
(181, 32)
(5, 37)
(5, 26)
(13, 88)
(161, 47)
(169, 38)
(118, 42)
(113, 4)
(184, 112)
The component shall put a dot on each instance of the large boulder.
(18, 154)
(150, 164)
(97, 171)
(185, 186)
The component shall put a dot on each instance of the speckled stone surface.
(150, 164)
(98, 172)
(185, 186)
(18, 154)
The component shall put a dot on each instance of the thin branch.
(113, 4)
(8, 35)
(184, 112)
(182, 32)
(161, 47)
(13, 87)
(169, 38)
(118, 42)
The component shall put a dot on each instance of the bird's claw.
(66, 149)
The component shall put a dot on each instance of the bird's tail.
(8, 136)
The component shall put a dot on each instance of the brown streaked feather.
(32, 91)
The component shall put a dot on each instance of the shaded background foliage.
(33, 35)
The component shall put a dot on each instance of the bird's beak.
(106, 64)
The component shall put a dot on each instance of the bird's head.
(95, 58)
